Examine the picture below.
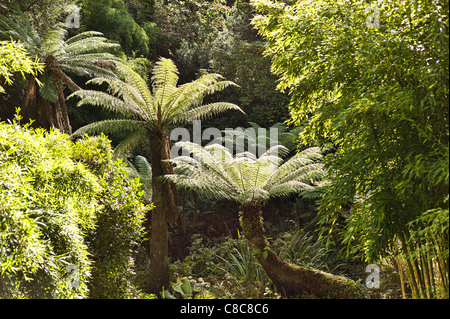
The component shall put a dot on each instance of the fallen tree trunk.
(292, 280)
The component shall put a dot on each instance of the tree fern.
(129, 95)
(83, 55)
(215, 173)
(147, 113)
(251, 181)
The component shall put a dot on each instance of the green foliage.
(15, 59)
(241, 263)
(82, 55)
(70, 218)
(237, 53)
(47, 205)
(378, 92)
(75, 55)
(158, 108)
(303, 249)
(190, 21)
(112, 18)
(226, 269)
(142, 170)
(42, 14)
(119, 226)
(244, 178)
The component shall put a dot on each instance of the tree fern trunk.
(292, 280)
(164, 197)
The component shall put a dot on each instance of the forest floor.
(207, 236)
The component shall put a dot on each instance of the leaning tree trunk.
(292, 280)
(164, 197)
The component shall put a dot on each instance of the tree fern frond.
(105, 100)
(205, 111)
(86, 68)
(53, 41)
(244, 177)
(143, 166)
(109, 126)
(288, 188)
(130, 142)
(20, 30)
(130, 95)
(299, 160)
(137, 82)
(164, 73)
(191, 94)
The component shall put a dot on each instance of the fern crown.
(80, 55)
(216, 174)
(147, 109)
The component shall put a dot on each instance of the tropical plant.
(241, 263)
(251, 182)
(84, 55)
(148, 115)
(119, 223)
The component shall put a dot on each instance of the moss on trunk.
(292, 280)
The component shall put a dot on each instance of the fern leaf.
(109, 126)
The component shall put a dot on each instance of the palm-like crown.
(156, 108)
(216, 174)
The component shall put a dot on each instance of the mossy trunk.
(292, 280)
(164, 197)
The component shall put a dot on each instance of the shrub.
(46, 208)
(115, 240)
(70, 219)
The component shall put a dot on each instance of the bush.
(70, 220)
(115, 240)
(46, 208)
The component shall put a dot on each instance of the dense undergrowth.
(70, 219)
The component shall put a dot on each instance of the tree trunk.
(44, 113)
(292, 280)
(164, 197)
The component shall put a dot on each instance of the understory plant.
(70, 218)
(48, 204)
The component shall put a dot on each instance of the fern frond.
(53, 41)
(130, 142)
(133, 102)
(164, 73)
(105, 100)
(143, 166)
(288, 188)
(109, 126)
(135, 81)
(299, 160)
(244, 178)
(191, 94)
(205, 111)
